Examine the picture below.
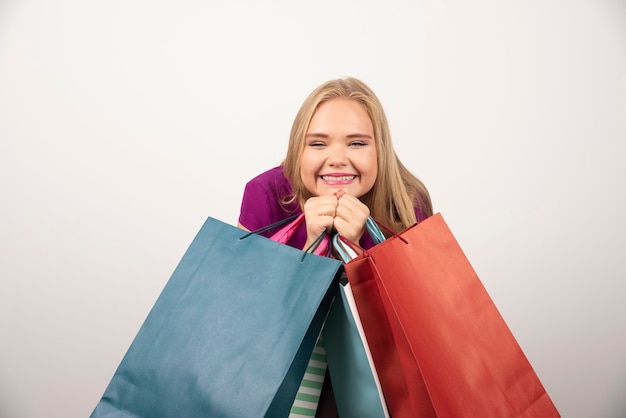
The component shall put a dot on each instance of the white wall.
(124, 124)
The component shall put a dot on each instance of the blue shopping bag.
(231, 333)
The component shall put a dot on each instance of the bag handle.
(288, 231)
(270, 226)
(372, 227)
(321, 246)
(346, 252)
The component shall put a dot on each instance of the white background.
(124, 124)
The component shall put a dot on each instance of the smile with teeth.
(338, 178)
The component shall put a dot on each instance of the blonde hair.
(395, 192)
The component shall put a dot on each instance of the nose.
(337, 155)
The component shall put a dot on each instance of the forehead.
(341, 114)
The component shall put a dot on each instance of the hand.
(350, 216)
(319, 214)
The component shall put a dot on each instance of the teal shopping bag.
(357, 389)
(231, 333)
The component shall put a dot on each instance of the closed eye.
(358, 144)
(359, 140)
(316, 140)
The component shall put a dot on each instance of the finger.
(350, 207)
(321, 200)
(339, 193)
(350, 230)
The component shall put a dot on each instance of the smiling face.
(340, 149)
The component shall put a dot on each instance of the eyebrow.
(351, 136)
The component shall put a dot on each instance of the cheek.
(308, 170)
(372, 174)
(374, 170)
(370, 171)
(368, 165)
(305, 164)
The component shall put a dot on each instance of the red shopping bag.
(437, 339)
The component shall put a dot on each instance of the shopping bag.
(356, 386)
(230, 334)
(310, 390)
(418, 292)
(403, 389)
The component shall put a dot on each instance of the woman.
(340, 168)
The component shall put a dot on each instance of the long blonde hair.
(396, 191)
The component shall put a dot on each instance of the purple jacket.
(261, 206)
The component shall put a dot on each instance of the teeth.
(339, 178)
